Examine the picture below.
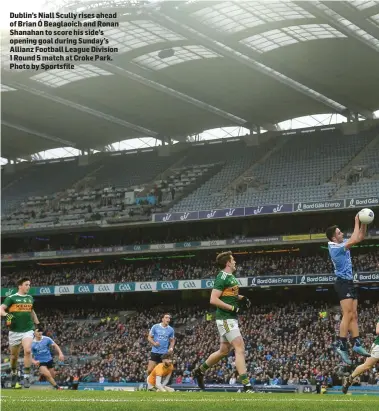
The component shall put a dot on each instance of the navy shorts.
(49, 364)
(156, 357)
(345, 289)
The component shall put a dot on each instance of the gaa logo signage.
(167, 285)
(84, 289)
(104, 288)
(207, 283)
(190, 284)
(64, 289)
(151, 286)
(125, 287)
(46, 290)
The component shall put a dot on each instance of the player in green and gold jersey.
(21, 319)
(369, 363)
(229, 304)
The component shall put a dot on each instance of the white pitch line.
(178, 400)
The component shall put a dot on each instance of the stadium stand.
(237, 157)
(181, 69)
(101, 195)
(40, 180)
(205, 178)
(308, 164)
(363, 177)
(166, 270)
(184, 180)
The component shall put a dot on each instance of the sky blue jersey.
(162, 335)
(41, 349)
(341, 258)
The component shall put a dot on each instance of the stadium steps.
(341, 188)
(194, 186)
(79, 186)
(167, 173)
(229, 192)
(355, 161)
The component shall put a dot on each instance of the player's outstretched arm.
(357, 235)
(362, 232)
(377, 328)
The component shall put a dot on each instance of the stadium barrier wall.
(150, 286)
(266, 209)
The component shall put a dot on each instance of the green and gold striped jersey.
(21, 307)
(376, 341)
(228, 284)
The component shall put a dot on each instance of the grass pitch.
(24, 400)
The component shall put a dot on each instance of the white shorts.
(375, 351)
(228, 329)
(16, 338)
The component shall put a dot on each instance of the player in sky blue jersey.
(339, 251)
(42, 357)
(162, 338)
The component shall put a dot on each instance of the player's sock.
(245, 380)
(56, 386)
(14, 377)
(342, 342)
(357, 341)
(348, 380)
(204, 367)
(26, 377)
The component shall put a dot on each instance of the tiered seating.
(365, 188)
(127, 170)
(301, 169)
(237, 158)
(371, 158)
(40, 180)
(44, 179)
(183, 179)
(118, 173)
(253, 196)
